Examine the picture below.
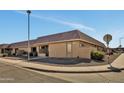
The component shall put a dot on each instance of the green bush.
(97, 55)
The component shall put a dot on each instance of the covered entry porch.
(42, 50)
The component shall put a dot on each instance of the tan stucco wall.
(75, 48)
(83, 52)
(60, 49)
(91, 46)
(57, 50)
(24, 49)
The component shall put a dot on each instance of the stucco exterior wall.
(57, 50)
(91, 46)
(19, 49)
(82, 52)
(75, 49)
(60, 50)
(25, 49)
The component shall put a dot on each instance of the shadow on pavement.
(114, 69)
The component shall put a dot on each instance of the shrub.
(97, 55)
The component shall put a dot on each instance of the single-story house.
(4, 48)
(69, 44)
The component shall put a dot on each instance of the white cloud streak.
(66, 23)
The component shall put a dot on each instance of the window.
(81, 44)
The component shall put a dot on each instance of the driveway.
(12, 74)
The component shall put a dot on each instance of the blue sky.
(13, 24)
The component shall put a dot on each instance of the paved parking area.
(12, 74)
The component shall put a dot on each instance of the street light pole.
(28, 12)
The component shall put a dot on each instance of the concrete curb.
(54, 71)
(47, 68)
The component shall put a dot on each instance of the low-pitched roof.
(74, 34)
(4, 45)
(90, 39)
(21, 44)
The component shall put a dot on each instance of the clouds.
(103, 25)
(62, 22)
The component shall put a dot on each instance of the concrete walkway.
(118, 63)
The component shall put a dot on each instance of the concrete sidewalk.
(118, 63)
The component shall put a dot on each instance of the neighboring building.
(21, 47)
(4, 48)
(62, 45)
(118, 49)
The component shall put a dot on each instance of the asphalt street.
(106, 77)
(12, 74)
